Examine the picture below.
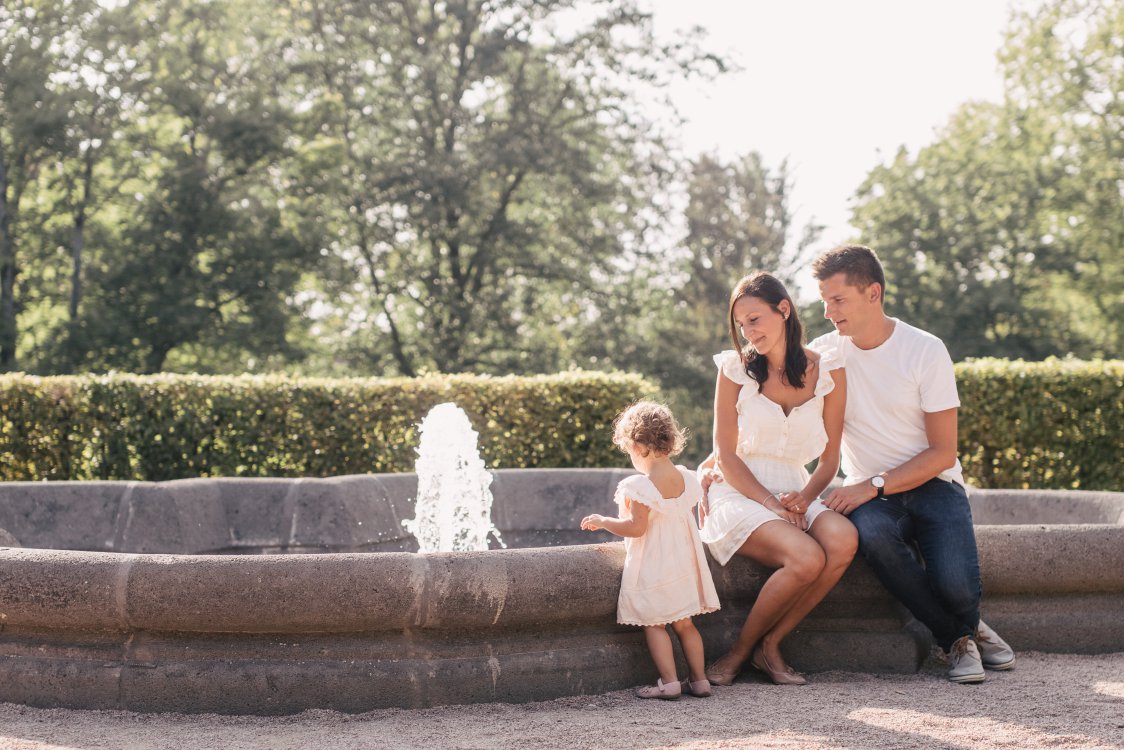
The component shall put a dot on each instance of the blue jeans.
(943, 589)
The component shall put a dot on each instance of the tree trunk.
(78, 240)
(7, 275)
(154, 360)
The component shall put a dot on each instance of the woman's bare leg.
(798, 560)
(839, 541)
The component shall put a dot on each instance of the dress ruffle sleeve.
(640, 489)
(692, 489)
(730, 364)
(829, 361)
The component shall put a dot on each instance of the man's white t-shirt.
(889, 388)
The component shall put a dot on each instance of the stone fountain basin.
(188, 595)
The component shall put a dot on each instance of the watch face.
(878, 481)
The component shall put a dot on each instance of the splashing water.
(453, 512)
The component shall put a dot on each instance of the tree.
(1004, 235)
(93, 74)
(207, 261)
(476, 171)
(1063, 65)
(32, 127)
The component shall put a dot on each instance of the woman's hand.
(793, 501)
(799, 520)
(594, 522)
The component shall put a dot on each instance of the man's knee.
(877, 530)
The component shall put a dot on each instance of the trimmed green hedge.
(1056, 424)
(174, 426)
(1053, 424)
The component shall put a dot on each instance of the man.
(904, 488)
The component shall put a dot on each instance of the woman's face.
(760, 324)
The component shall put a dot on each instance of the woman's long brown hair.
(768, 288)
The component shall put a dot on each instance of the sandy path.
(1049, 701)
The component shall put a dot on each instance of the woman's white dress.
(774, 447)
(666, 576)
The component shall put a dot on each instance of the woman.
(777, 407)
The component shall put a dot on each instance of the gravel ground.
(1048, 701)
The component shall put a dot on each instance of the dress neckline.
(810, 399)
(788, 414)
(657, 489)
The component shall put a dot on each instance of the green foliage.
(32, 128)
(1004, 236)
(393, 188)
(205, 257)
(168, 427)
(1054, 424)
(479, 169)
(1057, 424)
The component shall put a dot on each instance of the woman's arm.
(827, 467)
(635, 525)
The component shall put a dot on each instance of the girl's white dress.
(774, 447)
(666, 577)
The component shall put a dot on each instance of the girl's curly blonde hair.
(651, 426)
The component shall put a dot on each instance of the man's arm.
(940, 430)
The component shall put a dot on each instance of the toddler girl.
(666, 578)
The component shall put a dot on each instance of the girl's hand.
(708, 477)
(594, 522)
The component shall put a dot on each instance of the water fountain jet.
(454, 503)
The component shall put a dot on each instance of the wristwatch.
(878, 483)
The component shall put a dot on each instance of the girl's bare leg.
(839, 541)
(659, 646)
(798, 560)
(692, 644)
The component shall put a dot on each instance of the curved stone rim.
(356, 592)
(328, 593)
(355, 631)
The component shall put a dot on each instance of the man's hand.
(846, 499)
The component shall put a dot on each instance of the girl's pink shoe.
(667, 692)
(698, 688)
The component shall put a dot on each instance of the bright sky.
(836, 87)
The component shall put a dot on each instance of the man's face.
(850, 308)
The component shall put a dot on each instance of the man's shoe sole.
(968, 679)
(1000, 667)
